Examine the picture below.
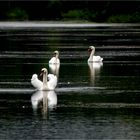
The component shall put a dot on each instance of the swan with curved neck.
(92, 57)
(52, 83)
(44, 72)
(49, 81)
(55, 59)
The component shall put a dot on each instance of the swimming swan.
(55, 59)
(92, 57)
(49, 81)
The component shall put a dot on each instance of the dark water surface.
(91, 101)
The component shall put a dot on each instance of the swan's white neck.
(56, 56)
(91, 55)
(45, 86)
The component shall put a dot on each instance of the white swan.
(49, 99)
(49, 81)
(52, 83)
(55, 59)
(92, 57)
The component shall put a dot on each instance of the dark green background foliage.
(61, 10)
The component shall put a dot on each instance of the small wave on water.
(78, 89)
(100, 105)
(75, 97)
(59, 90)
(16, 90)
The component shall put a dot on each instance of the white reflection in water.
(94, 71)
(47, 98)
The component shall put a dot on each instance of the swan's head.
(34, 76)
(91, 48)
(43, 70)
(56, 52)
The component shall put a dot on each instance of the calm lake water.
(90, 101)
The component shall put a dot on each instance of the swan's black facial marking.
(89, 49)
(43, 70)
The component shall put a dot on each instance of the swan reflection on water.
(44, 99)
(94, 71)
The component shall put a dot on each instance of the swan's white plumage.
(46, 84)
(54, 69)
(97, 59)
(52, 83)
(55, 59)
(92, 57)
(36, 82)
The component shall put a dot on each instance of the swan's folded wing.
(37, 84)
(97, 58)
(52, 83)
(52, 60)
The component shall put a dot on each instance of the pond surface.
(96, 101)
